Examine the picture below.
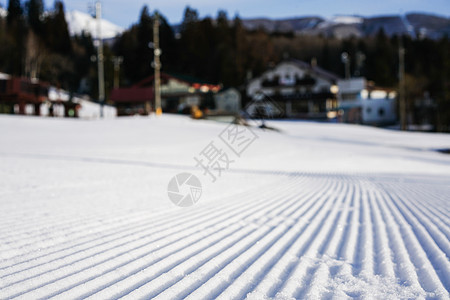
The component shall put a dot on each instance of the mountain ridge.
(415, 24)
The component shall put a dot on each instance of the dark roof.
(190, 79)
(182, 78)
(143, 90)
(149, 80)
(133, 94)
(314, 69)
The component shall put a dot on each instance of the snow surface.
(3, 12)
(347, 19)
(78, 22)
(314, 211)
(342, 19)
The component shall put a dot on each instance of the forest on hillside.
(35, 42)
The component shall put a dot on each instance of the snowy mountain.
(3, 12)
(343, 20)
(79, 22)
(413, 24)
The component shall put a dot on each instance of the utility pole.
(345, 58)
(101, 71)
(401, 85)
(117, 60)
(157, 64)
(360, 58)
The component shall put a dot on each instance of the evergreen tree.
(168, 44)
(35, 49)
(126, 47)
(83, 50)
(16, 36)
(225, 49)
(239, 45)
(382, 62)
(57, 32)
(442, 93)
(34, 13)
(134, 47)
(15, 12)
(192, 42)
(190, 17)
(144, 54)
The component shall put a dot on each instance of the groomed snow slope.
(316, 211)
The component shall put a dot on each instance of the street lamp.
(345, 58)
(117, 60)
(157, 64)
(360, 58)
(401, 89)
(101, 71)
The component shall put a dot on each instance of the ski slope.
(315, 211)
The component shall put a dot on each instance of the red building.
(177, 92)
(21, 92)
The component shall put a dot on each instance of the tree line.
(36, 43)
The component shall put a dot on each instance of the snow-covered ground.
(314, 211)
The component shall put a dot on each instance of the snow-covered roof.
(55, 94)
(4, 76)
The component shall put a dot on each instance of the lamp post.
(101, 71)
(345, 58)
(360, 58)
(157, 64)
(401, 85)
(117, 60)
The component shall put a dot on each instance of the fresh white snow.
(340, 20)
(3, 12)
(314, 211)
(78, 22)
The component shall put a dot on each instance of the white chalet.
(300, 89)
(359, 101)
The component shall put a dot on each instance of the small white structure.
(363, 103)
(91, 110)
(4, 76)
(228, 101)
(85, 108)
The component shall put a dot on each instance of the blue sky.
(125, 13)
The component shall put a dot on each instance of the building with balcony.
(297, 89)
(361, 102)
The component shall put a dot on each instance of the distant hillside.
(429, 25)
(414, 24)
